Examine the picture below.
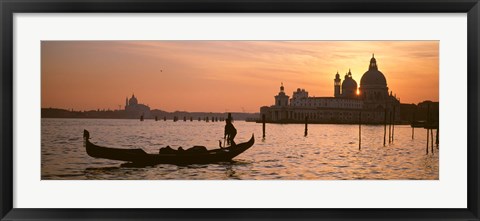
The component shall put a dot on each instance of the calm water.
(329, 152)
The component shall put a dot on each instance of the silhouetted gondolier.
(230, 132)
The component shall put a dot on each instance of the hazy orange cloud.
(220, 76)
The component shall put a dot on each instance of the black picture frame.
(9, 7)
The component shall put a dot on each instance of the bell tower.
(336, 84)
(281, 100)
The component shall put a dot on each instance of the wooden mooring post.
(427, 124)
(360, 131)
(306, 125)
(393, 124)
(427, 140)
(413, 123)
(389, 127)
(385, 128)
(263, 125)
(431, 139)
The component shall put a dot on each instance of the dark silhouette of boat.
(140, 157)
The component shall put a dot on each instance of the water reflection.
(329, 152)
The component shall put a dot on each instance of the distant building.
(135, 110)
(371, 99)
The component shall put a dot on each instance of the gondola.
(140, 157)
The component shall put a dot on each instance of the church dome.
(349, 83)
(349, 86)
(133, 100)
(373, 77)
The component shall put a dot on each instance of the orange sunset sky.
(219, 76)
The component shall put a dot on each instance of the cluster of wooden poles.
(206, 119)
(391, 127)
(430, 127)
(430, 139)
(389, 119)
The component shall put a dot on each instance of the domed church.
(371, 99)
(373, 86)
(135, 110)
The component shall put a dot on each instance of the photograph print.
(240, 110)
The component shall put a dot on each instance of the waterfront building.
(136, 110)
(371, 99)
